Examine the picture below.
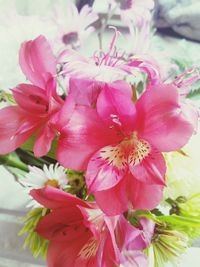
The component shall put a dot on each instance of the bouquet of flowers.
(100, 144)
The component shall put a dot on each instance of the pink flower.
(81, 235)
(109, 66)
(36, 103)
(74, 27)
(131, 241)
(105, 66)
(83, 95)
(75, 229)
(86, 91)
(119, 145)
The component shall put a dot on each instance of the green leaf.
(176, 220)
(37, 244)
(28, 146)
(12, 160)
(194, 94)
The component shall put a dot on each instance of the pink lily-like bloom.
(82, 98)
(107, 66)
(81, 235)
(36, 102)
(119, 144)
(130, 243)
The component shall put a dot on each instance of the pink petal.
(15, 128)
(143, 196)
(62, 224)
(117, 195)
(126, 235)
(148, 66)
(36, 60)
(93, 219)
(148, 229)
(134, 258)
(116, 109)
(82, 137)
(129, 239)
(191, 113)
(64, 254)
(31, 98)
(43, 141)
(105, 169)
(53, 198)
(109, 258)
(84, 91)
(60, 119)
(160, 120)
(123, 87)
(54, 100)
(151, 170)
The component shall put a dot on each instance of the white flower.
(54, 175)
(73, 27)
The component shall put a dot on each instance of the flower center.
(125, 4)
(70, 38)
(53, 183)
(138, 150)
(131, 150)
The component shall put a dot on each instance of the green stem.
(12, 160)
(104, 23)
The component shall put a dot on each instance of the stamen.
(183, 80)
(111, 58)
(130, 151)
(89, 249)
(115, 119)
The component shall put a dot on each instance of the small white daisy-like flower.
(54, 175)
(73, 26)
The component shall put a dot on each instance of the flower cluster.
(99, 208)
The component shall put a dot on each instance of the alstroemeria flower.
(36, 103)
(74, 27)
(119, 145)
(83, 95)
(80, 234)
(86, 91)
(130, 243)
(76, 230)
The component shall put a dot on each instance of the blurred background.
(174, 42)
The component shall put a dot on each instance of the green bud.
(167, 246)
